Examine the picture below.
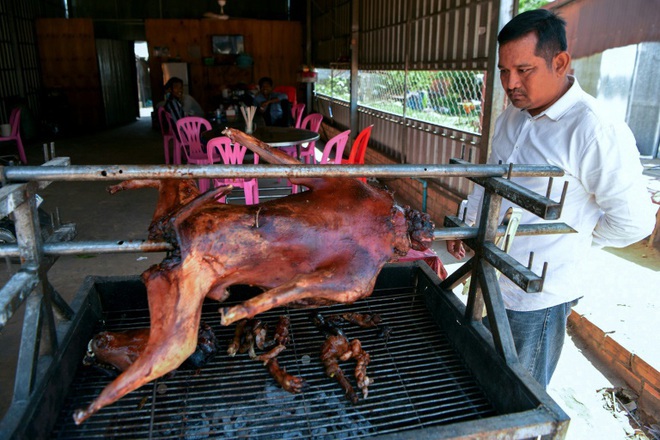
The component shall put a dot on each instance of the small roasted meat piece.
(288, 382)
(120, 349)
(338, 348)
(271, 354)
(248, 343)
(116, 349)
(364, 320)
(235, 344)
(328, 328)
(260, 331)
(281, 336)
(207, 347)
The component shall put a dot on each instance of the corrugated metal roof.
(597, 25)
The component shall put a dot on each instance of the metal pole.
(126, 172)
(126, 246)
(355, 37)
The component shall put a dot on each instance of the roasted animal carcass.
(318, 247)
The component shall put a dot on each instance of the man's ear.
(561, 62)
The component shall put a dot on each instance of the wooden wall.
(69, 63)
(275, 46)
(67, 52)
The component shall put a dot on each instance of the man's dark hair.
(265, 80)
(549, 28)
(173, 80)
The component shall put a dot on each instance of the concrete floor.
(627, 305)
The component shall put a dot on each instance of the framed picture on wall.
(227, 44)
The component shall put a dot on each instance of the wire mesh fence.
(446, 98)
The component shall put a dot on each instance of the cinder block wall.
(641, 377)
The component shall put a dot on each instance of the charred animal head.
(420, 229)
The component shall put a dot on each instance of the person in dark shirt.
(174, 98)
(275, 107)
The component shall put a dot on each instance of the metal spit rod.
(126, 246)
(126, 172)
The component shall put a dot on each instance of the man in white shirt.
(553, 121)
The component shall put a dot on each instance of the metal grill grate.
(419, 381)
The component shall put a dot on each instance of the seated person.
(191, 107)
(179, 104)
(275, 107)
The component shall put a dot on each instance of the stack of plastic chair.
(170, 141)
(297, 113)
(289, 91)
(190, 129)
(233, 154)
(359, 149)
(307, 150)
(15, 133)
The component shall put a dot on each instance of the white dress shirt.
(607, 201)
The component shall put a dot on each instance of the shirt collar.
(565, 103)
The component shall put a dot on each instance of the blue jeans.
(539, 338)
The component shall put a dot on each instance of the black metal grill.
(419, 382)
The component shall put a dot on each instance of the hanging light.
(221, 15)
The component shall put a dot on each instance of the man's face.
(177, 91)
(266, 89)
(527, 79)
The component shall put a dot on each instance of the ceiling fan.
(221, 15)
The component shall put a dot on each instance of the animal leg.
(175, 308)
(332, 285)
(133, 184)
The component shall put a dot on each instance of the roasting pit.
(424, 383)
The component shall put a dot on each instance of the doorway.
(143, 80)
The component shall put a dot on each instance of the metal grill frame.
(35, 368)
(521, 408)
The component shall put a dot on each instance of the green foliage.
(448, 98)
(528, 5)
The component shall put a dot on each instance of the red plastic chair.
(312, 123)
(15, 133)
(297, 112)
(169, 138)
(290, 92)
(359, 149)
(233, 154)
(190, 129)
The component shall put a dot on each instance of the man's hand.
(456, 249)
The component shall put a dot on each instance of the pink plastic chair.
(15, 133)
(335, 145)
(313, 123)
(169, 138)
(297, 112)
(190, 129)
(233, 154)
(359, 149)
